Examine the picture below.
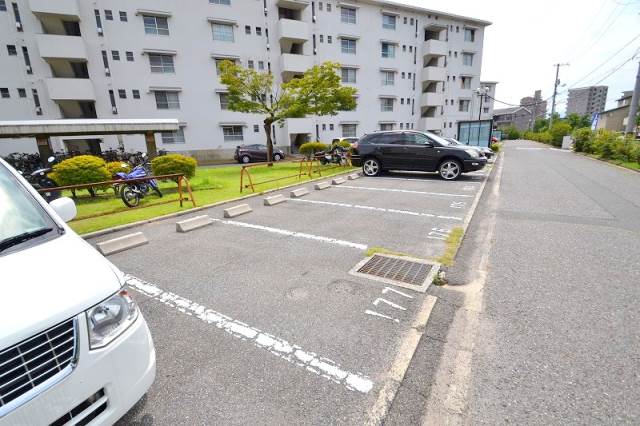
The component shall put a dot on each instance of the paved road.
(546, 329)
(257, 320)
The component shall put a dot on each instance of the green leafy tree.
(317, 92)
(577, 121)
(540, 125)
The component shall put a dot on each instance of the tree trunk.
(267, 129)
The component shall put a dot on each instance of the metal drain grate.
(407, 272)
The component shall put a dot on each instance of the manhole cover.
(402, 271)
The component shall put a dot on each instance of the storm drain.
(401, 271)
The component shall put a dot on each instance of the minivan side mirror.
(65, 208)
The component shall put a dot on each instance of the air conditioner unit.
(268, 46)
(100, 31)
(114, 110)
(107, 72)
(19, 25)
(28, 68)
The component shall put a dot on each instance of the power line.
(608, 26)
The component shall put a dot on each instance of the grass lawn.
(626, 164)
(209, 185)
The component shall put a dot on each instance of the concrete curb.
(237, 210)
(300, 192)
(193, 223)
(273, 200)
(322, 185)
(125, 226)
(338, 181)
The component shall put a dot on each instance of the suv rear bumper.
(475, 164)
(356, 160)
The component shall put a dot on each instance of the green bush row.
(552, 136)
(607, 144)
(310, 148)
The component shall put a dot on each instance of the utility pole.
(556, 83)
(633, 109)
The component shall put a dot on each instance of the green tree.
(577, 121)
(540, 125)
(317, 92)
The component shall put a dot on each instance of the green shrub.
(495, 147)
(558, 130)
(310, 148)
(79, 170)
(118, 166)
(510, 132)
(581, 137)
(174, 163)
(344, 144)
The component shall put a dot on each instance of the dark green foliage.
(174, 163)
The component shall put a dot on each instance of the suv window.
(417, 139)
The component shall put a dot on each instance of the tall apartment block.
(414, 68)
(535, 104)
(587, 100)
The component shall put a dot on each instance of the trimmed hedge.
(607, 144)
(79, 170)
(118, 166)
(174, 163)
(310, 148)
(553, 136)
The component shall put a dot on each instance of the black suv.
(410, 150)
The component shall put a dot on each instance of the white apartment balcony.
(61, 47)
(294, 64)
(70, 89)
(64, 8)
(299, 125)
(434, 74)
(432, 99)
(434, 48)
(294, 4)
(292, 30)
(430, 123)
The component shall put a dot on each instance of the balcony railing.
(53, 46)
(63, 8)
(70, 89)
(433, 74)
(293, 30)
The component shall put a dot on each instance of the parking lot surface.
(256, 319)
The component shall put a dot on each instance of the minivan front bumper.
(120, 374)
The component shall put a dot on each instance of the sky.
(527, 37)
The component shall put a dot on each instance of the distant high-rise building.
(535, 104)
(587, 100)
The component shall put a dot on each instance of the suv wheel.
(371, 167)
(245, 159)
(450, 170)
(277, 157)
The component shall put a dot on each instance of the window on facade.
(386, 104)
(162, 64)
(232, 133)
(329, 39)
(123, 16)
(387, 77)
(135, 94)
(258, 31)
(22, 93)
(129, 56)
(36, 101)
(320, 6)
(348, 46)
(224, 100)
(348, 15)
(256, 128)
(467, 59)
(108, 15)
(98, 21)
(247, 29)
(401, 101)
(115, 55)
(348, 75)
(16, 14)
(463, 105)
(156, 25)
(222, 32)
(176, 136)
(388, 21)
(349, 130)
(465, 82)
(4, 92)
(386, 126)
(321, 38)
(27, 59)
(388, 50)
(225, 2)
(11, 50)
(485, 110)
(260, 65)
(469, 34)
(112, 99)
(3, 6)
(122, 94)
(167, 100)
(331, 126)
(250, 64)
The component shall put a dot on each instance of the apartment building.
(414, 68)
(587, 100)
(535, 104)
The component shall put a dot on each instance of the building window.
(465, 82)
(22, 93)
(411, 21)
(11, 50)
(258, 31)
(485, 110)
(224, 100)
(135, 94)
(388, 21)
(247, 29)
(331, 126)
(321, 38)
(27, 59)
(348, 75)
(129, 56)
(167, 100)
(401, 126)
(469, 34)
(401, 101)
(261, 65)
(348, 15)
(4, 92)
(348, 45)
(156, 25)
(108, 15)
(3, 6)
(463, 105)
(222, 32)
(122, 94)
(232, 133)
(256, 128)
(349, 130)
(329, 39)
(386, 126)
(112, 99)
(123, 16)
(105, 62)
(467, 59)
(98, 21)
(386, 104)
(388, 50)
(16, 13)
(225, 2)
(388, 78)
(404, 21)
(328, 7)
(115, 55)
(176, 136)
(162, 64)
(36, 101)
(320, 6)
(250, 64)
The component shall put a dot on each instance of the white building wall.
(191, 44)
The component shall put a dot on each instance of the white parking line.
(416, 179)
(293, 234)
(405, 191)
(291, 353)
(378, 209)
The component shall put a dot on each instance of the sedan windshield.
(21, 217)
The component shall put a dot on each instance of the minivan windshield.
(21, 217)
(438, 139)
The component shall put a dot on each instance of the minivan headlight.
(110, 318)
(472, 152)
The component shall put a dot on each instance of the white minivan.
(74, 347)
